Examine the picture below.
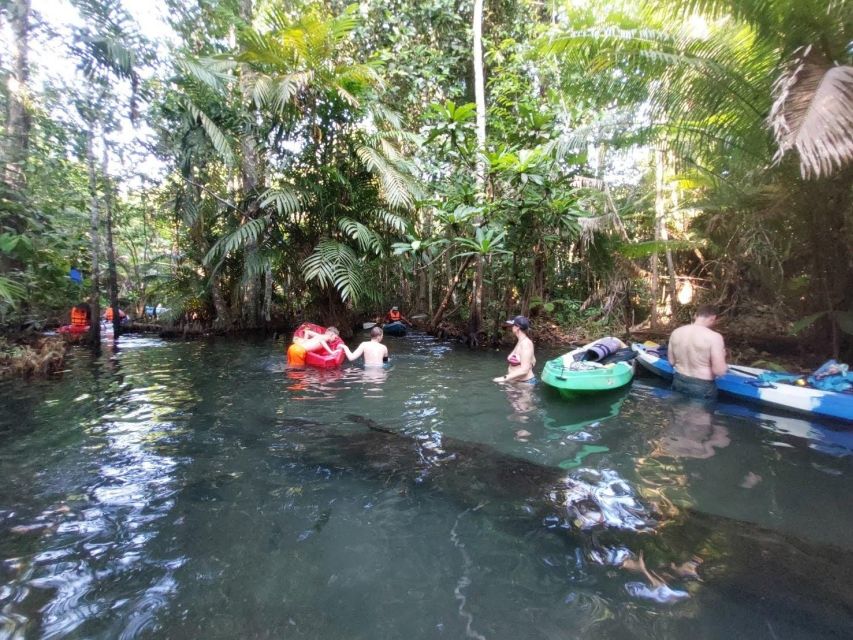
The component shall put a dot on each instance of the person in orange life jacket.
(394, 315)
(108, 315)
(521, 361)
(80, 314)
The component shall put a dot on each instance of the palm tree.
(338, 172)
(700, 76)
(812, 109)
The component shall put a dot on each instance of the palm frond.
(207, 71)
(214, 133)
(249, 232)
(396, 188)
(334, 264)
(285, 87)
(10, 291)
(368, 240)
(391, 220)
(812, 112)
(286, 201)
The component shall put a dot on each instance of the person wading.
(521, 361)
(375, 353)
(698, 355)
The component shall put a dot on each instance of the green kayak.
(572, 377)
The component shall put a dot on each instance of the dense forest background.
(597, 164)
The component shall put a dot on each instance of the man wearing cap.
(394, 315)
(521, 361)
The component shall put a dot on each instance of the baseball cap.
(519, 321)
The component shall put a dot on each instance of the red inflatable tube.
(73, 328)
(321, 358)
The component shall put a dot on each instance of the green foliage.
(244, 234)
(321, 157)
(333, 264)
(10, 291)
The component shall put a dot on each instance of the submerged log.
(743, 562)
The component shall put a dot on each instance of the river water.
(201, 490)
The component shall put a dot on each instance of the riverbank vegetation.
(601, 164)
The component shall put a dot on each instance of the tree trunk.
(251, 182)
(476, 313)
(439, 314)
(480, 99)
(94, 336)
(111, 254)
(267, 293)
(475, 319)
(661, 233)
(655, 259)
(223, 317)
(670, 265)
(18, 117)
(422, 304)
(429, 288)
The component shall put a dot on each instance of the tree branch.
(212, 195)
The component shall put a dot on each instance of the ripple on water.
(199, 490)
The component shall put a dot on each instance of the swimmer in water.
(521, 360)
(375, 353)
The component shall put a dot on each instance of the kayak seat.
(621, 355)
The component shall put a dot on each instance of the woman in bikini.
(521, 360)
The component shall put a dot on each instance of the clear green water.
(198, 490)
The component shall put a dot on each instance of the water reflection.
(522, 398)
(312, 384)
(834, 440)
(193, 490)
(690, 432)
(102, 529)
(577, 425)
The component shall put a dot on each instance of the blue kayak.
(394, 329)
(742, 382)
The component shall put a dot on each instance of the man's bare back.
(375, 353)
(697, 351)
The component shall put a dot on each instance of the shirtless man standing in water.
(698, 355)
(375, 353)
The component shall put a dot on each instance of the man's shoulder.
(678, 331)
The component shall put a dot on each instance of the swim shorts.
(694, 387)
